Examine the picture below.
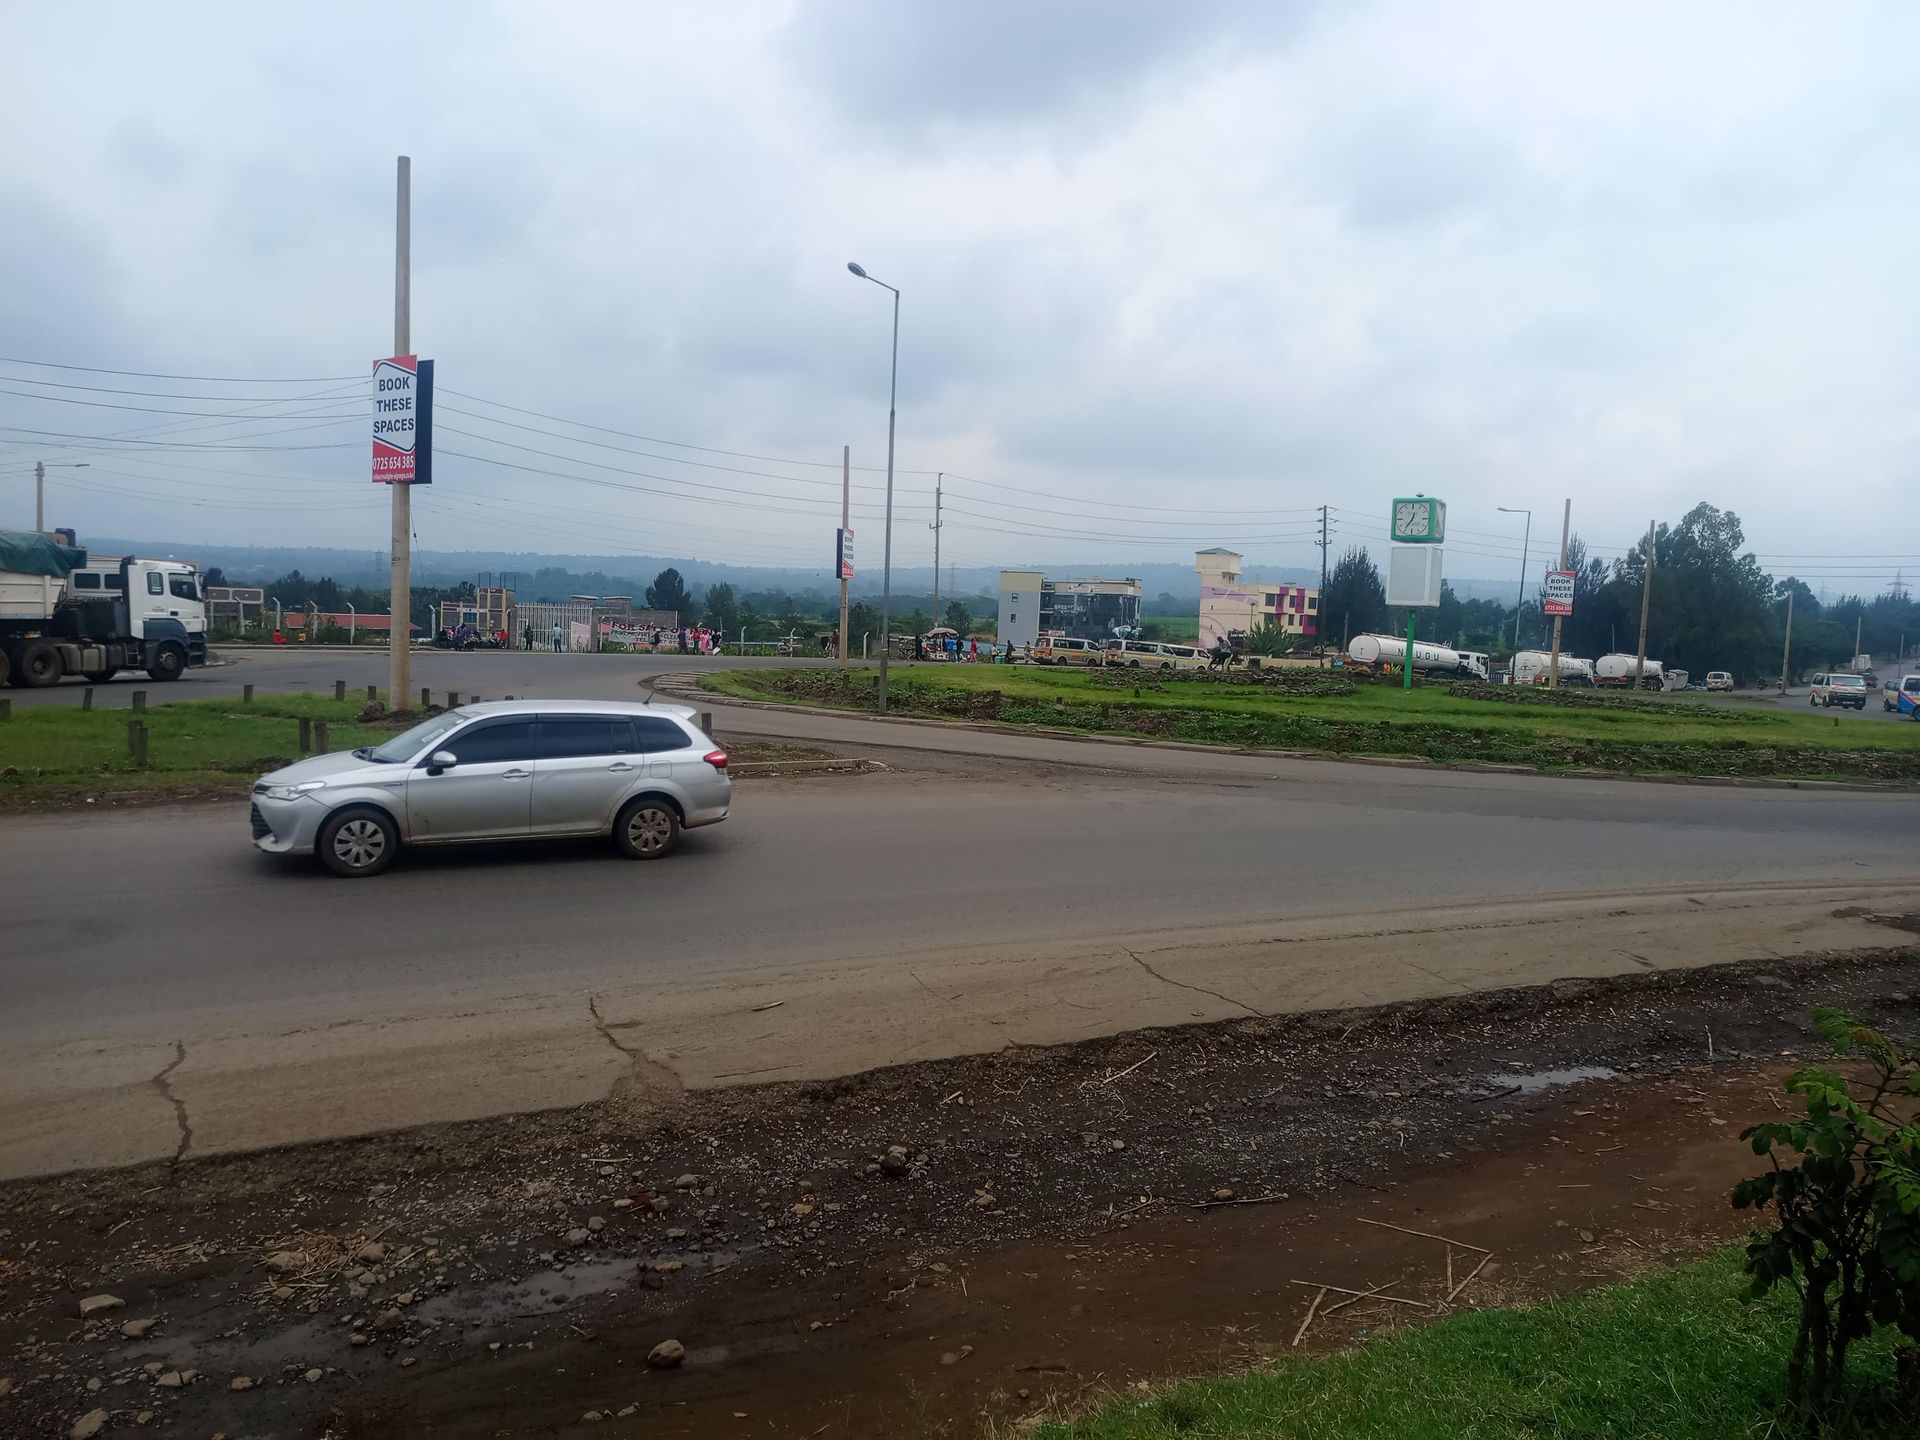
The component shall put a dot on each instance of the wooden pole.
(1553, 661)
(846, 519)
(1646, 604)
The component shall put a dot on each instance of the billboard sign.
(1556, 594)
(843, 553)
(403, 421)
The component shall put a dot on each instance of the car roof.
(572, 707)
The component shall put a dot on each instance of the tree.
(1713, 607)
(669, 592)
(751, 621)
(723, 610)
(1846, 1235)
(215, 577)
(915, 622)
(958, 619)
(863, 619)
(1354, 601)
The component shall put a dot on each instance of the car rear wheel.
(359, 842)
(646, 829)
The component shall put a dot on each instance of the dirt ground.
(922, 1250)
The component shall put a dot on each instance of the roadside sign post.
(1416, 564)
(1553, 662)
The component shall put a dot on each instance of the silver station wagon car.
(509, 770)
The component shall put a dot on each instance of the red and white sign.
(1556, 593)
(845, 553)
(403, 421)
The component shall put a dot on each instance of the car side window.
(156, 583)
(182, 588)
(493, 742)
(571, 737)
(86, 580)
(655, 733)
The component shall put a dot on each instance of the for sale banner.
(1556, 595)
(403, 421)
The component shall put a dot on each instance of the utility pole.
(40, 487)
(1858, 622)
(1322, 639)
(939, 476)
(400, 599)
(846, 519)
(1786, 647)
(1553, 661)
(1646, 603)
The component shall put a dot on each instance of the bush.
(1846, 1235)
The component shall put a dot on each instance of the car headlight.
(294, 792)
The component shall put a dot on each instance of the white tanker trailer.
(1381, 650)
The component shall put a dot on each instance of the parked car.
(507, 770)
(1904, 697)
(1837, 688)
(1719, 680)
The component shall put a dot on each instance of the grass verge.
(1681, 1355)
(1678, 738)
(57, 756)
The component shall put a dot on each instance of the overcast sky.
(1173, 275)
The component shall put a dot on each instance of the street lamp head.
(857, 270)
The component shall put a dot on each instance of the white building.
(1031, 605)
(1231, 605)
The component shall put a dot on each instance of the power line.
(161, 410)
(1119, 504)
(209, 379)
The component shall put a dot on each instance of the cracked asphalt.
(959, 903)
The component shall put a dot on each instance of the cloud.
(1228, 256)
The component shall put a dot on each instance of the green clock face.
(1419, 520)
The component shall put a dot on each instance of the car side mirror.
(441, 760)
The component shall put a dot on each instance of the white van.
(1065, 650)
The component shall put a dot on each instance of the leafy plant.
(1846, 1234)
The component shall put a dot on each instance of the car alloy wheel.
(360, 843)
(650, 829)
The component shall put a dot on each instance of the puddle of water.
(552, 1291)
(1532, 1082)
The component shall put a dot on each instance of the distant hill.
(630, 574)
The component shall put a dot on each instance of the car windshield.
(1849, 682)
(409, 743)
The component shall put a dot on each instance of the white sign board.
(403, 421)
(1556, 593)
(1414, 575)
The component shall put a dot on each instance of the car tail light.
(716, 758)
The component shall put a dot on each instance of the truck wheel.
(37, 664)
(168, 662)
(358, 842)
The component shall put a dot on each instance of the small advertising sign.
(403, 421)
(843, 553)
(1556, 594)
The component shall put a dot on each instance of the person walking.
(526, 637)
(557, 637)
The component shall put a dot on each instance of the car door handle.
(515, 774)
(620, 767)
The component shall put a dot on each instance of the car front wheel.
(646, 829)
(357, 843)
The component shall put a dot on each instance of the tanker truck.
(1617, 671)
(1530, 667)
(1379, 651)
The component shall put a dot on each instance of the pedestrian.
(683, 639)
(526, 636)
(557, 637)
(973, 650)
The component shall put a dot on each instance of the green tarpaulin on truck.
(25, 553)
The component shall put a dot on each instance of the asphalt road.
(169, 988)
(493, 674)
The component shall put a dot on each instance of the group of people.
(690, 639)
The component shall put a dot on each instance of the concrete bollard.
(86, 698)
(373, 694)
(139, 701)
(306, 735)
(426, 698)
(6, 708)
(246, 694)
(453, 699)
(339, 689)
(137, 741)
(706, 722)
(322, 738)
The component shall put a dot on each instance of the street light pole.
(40, 487)
(886, 544)
(1520, 596)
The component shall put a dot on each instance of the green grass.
(53, 755)
(1677, 1356)
(1376, 719)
